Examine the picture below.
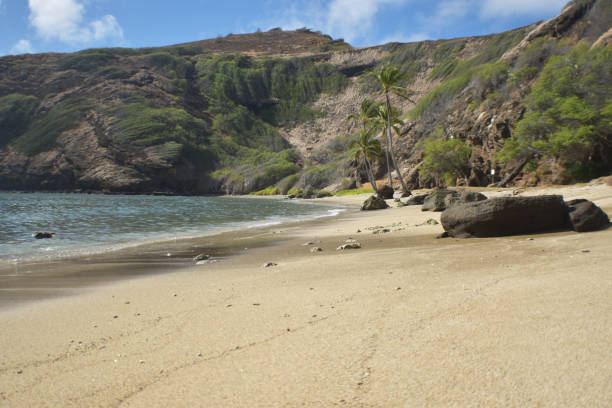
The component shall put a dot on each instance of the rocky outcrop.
(436, 200)
(385, 192)
(506, 216)
(374, 203)
(554, 27)
(585, 216)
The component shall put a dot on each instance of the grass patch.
(44, 130)
(267, 191)
(354, 191)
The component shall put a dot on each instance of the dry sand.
(406, 321)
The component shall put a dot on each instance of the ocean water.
(93, 223)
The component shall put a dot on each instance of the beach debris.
(228, 305)
(374, 203)
(381, 231)
(316, 249)
(350, 240)
(19, 371)
(270, 264)
(207, 261)
(174, 295)
(168, 254)
(398, 288)
(43, 235)
(115, 317)
(127, 302)
(308, 244)
(358, 231)
(199, 354)
(141, 361)
(350, 245)
(256, 304)
(430, 221)
(586, 251)
(201, 257)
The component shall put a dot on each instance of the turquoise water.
(92, 223)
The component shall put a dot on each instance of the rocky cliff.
(247, 112)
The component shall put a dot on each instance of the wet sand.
(405, 321)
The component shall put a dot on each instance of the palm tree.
(368, 118)
(367, 113)
(389, 78)
(383, 121)
(368, 148)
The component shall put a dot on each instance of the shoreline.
(44, 279)
(407, 320)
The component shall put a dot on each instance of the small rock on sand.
(316, 249)
(270, 264)
(351, 245)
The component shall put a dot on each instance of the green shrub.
(87, 61)
(267, 191)
(16, 112)
(569, 114)
(446, 159)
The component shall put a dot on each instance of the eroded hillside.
(247, 112)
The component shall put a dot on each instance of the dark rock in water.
(374, 203)
(291, 196)
(201, 257)
(462, 198)
(43, 235)
(417, 200)
(586, 216)
(506, 216)
(435, 201)
(385, 192)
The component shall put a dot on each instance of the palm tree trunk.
(371, 176)
(390, 145)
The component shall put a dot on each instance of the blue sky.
(71, 25)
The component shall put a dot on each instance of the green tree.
(569, 114)
(390, 78)
(446, 156)
(368, 148)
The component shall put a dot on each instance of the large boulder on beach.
(385, 192)
(506, 216)
(435, 201)
(374, 203)
(585, 216)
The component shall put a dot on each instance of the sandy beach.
(406, 321)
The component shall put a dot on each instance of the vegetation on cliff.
(266, 111)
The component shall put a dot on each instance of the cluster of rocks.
(472, 214)
(522, 215)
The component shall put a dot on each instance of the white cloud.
(22, 47)
(404, 38)
(352, 18)
(505, 8)
(63, 20)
